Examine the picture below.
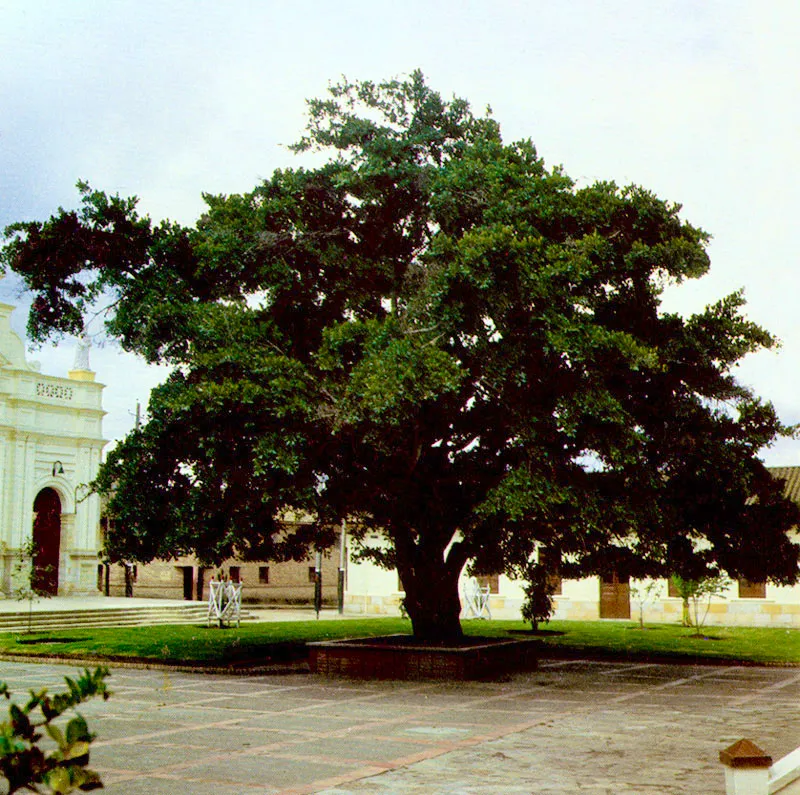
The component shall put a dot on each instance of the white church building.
(52, 441)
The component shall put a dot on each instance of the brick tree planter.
(400, 657)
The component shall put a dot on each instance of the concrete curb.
(300, 667)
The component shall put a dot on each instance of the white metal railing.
(224, 602)
(476, 599)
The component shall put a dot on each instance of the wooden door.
(188, 582)
(46, 542)
(615, 596)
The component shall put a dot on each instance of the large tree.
(434, 336)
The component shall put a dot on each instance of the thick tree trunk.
(432, 600)
(435, 614)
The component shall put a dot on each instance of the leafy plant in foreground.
(24, 765)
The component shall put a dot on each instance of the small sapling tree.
(643, 594)
(539, 587)
(26, 577)
(697, 595)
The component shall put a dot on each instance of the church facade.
(51, 443)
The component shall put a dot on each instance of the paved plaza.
(577, 726)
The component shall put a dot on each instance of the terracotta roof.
(791, 475)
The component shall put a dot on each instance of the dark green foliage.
(24, 765)
(464, 347)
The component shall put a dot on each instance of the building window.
(263, 575)
(100, 572)
(235, 573)
(672, 589)
(492, 580)
(752, 590)
(312, 574)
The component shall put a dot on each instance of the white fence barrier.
(476, 599)
(749, 771)
(224, 602)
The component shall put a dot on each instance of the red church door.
(46, 541)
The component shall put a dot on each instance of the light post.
(340, 583)
(318, 582)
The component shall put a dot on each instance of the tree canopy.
(433, 335)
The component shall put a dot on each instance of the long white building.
(371, 590)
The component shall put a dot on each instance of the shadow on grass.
(643, 629)
(32, 641)
(261, 654)
(700, 636)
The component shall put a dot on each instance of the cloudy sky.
(697, 101)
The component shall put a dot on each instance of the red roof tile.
(791, 476)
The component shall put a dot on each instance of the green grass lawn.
(282, 641)
(773, 645)
(251, 642)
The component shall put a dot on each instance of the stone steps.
(52, 620)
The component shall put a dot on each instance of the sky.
(167, 99)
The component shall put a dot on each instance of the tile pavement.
(570, 727)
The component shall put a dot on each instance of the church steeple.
(12, 349)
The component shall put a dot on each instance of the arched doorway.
(46, 541)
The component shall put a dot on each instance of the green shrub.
(24, 765)
(539, 588)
